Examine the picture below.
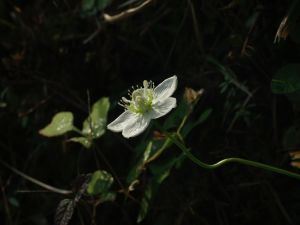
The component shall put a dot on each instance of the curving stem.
(187, 152)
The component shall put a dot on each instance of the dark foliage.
(59, 56)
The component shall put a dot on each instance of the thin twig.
(222, 162)
(35, 181)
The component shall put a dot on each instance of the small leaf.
(100, 182)
(286, 80)
(82, 140)
(95, 125)
(61, 123)
(64, 212)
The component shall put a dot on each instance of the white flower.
(146, 103)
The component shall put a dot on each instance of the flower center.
(141, 99)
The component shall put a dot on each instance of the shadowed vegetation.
(78, 58)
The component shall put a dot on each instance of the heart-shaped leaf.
(61, 123)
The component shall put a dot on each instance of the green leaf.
(100, 182)
(95, 125)
(82, 140)
(61, 123)
(286, 80)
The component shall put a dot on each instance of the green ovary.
(141, 101)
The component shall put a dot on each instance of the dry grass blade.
(282, 31)
(129, 12)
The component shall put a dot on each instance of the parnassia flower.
(146, 103)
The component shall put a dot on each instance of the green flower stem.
(167, 141)
(160, 151)
(230, 160)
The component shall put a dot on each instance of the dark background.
(53, 52)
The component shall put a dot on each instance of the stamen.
(125, 100)
(121, 104)
(140, 98)
(146, 84)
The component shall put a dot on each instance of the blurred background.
(64, 55)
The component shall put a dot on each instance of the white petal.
(137, 127)
(165, 89)
(162, 108)
(124, 119)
